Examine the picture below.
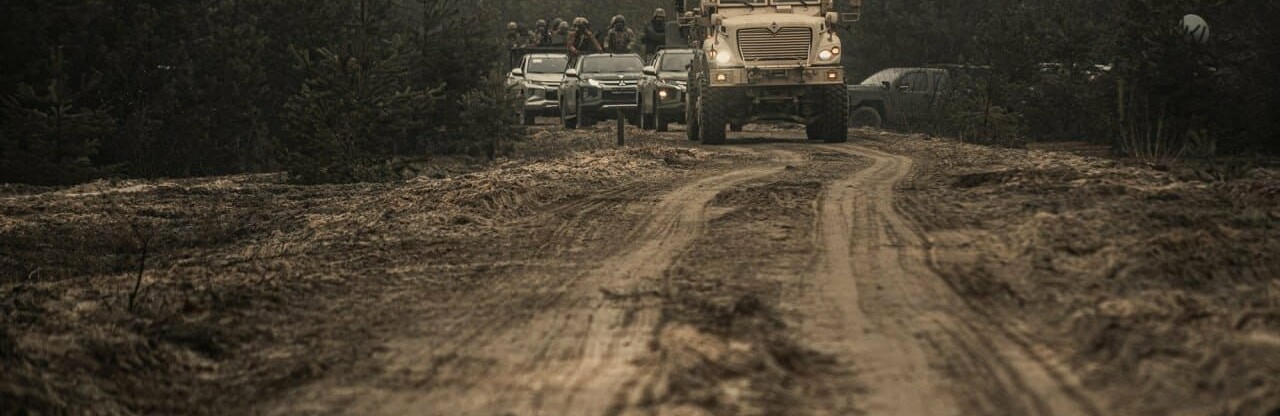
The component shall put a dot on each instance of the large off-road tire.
(865, 117)
(713, 116)
(691, 128)
(660, 125)
(811, 132)
(584, 118)
(832, 124)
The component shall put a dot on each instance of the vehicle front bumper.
(765, 76)
(609, 99)
(542, 100)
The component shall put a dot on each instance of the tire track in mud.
(570, 352)
(916, 346)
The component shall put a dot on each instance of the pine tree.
(49, 137)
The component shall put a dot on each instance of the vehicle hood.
(674, 76)
(544, 78)
(610, 76)
(866, 89)
(732, 24)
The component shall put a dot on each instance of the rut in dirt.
(574, 355)
(875, 301)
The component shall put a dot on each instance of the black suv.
(662, 90)
(597, 86)
(897, 96)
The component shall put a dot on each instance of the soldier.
(541, 34)
(581, 39)
(514, 38)
(621, 39)
(655, 33)
(560, 33)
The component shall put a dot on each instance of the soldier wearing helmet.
(514, 37)
(581, 39)
(655, 33)
(541, 33)
(620, 39)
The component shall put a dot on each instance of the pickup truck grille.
(790, 44)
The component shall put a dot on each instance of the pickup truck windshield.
(888, 75)
(676, 62)
(607, 64)
(547, 65)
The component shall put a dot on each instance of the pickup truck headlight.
(593, 83)
(825, 55)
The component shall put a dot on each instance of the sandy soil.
(895, 275)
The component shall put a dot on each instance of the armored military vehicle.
(759, 60)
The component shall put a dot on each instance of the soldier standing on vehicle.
(559, 33)
(514, 38)
(655, 33)
(621, 39)
(581, 39)
(541, 33)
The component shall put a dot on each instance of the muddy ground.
(770, 276)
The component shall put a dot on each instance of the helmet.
(512, 26)
(556, 22)
(563, 26)
(659, 13)
(540, 23)
(618, 19)
(580, 22)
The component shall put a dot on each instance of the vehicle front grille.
(620, 96)
(553, 95)
(761, 44)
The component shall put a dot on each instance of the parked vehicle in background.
(897, 96)
(663, 87)
(597, 86)
(537, 80)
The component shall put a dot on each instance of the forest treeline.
(340, 90)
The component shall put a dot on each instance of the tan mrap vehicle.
(767, 60)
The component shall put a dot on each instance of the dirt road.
(894, 275)
(869, 303)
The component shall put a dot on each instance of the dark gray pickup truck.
(897, 97)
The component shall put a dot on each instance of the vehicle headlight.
(723, 57)
(593, 83)
(825, 55)
(663, 93)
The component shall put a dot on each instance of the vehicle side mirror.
(517, 72)
(886, 85)
(651, 71)
(571, 73)
(833, 18)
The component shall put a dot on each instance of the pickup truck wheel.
(646, 120)
(865, 117)
(833, 125)
(712, 116)
(584, 120)
(658, 124)
(565, 121)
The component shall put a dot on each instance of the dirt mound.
(1149, 278)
